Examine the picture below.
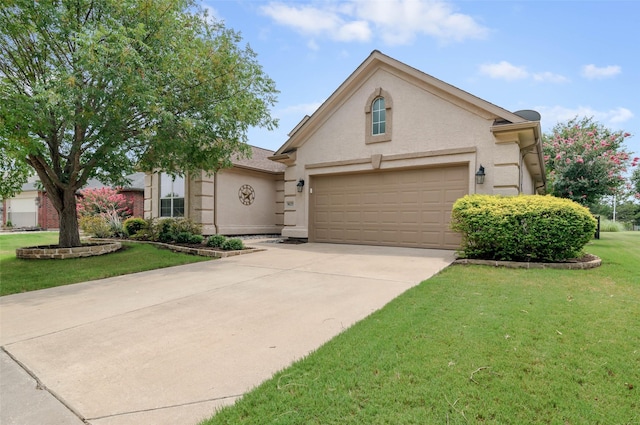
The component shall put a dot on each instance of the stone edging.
(576, 265)
(44, 253)
(194, 251)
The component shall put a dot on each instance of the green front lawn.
(18, 275)
(477, 345)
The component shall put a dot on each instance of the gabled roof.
(137, 183)
(375, 61)
(259, 161)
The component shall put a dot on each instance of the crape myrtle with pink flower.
(586, 161)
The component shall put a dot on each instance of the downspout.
(215, 201)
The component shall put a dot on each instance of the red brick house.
(32, 208)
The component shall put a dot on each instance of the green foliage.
(20, 275)
(635, 183)
(232, 244)
(522, 228)
(94, 89)
(169, 230)
(216, 241)
(585, 161)
(183, 237)
(114, 221)
(196, 239)
(612, 226)
(133, 225)
(179, 225)
(96, 226)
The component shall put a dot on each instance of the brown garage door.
(398, 208)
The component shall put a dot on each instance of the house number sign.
(246, 194)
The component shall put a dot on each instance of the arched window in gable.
(379, 117)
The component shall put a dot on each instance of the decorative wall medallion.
(246, 194)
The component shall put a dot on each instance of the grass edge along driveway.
(20, 275)
(477, 345)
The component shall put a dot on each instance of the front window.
(379, 118)
(171, 196)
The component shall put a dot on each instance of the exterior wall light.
(300, 185)
(480, 175)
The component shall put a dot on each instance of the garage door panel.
(399, 208)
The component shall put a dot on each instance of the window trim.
(368, 110)
(171, 198)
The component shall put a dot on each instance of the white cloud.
(593, 72)
(399, 21)
(553, 114)
(550, 77)
(394, 21)
(313, 21)
(504, 71)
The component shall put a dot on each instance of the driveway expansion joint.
(42, 387)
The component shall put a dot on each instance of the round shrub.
(216, 241)
(196, 239)
(133, 225)
(521, 228)
(183, 237)
(233, 244)
(180, 225)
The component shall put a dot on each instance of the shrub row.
(521, 228)
(167, 230)
(220, 241)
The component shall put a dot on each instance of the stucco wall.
(259, 217)
(429, 128)
(213, 201)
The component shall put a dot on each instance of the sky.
(561, 58)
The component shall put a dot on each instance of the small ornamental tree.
(586, 161)
(102, 88)
(101, 201)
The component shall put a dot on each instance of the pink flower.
(579, 160)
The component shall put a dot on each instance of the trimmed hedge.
(216, 241)
(521, 228)
(232, 244)
(133, 225)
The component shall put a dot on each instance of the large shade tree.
(585, 161)
(100, 88)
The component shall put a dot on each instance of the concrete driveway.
(171, 346)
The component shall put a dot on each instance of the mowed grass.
(18, 275)
(477, 345)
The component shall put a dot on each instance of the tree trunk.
(69, 233)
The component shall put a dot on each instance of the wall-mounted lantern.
(300, 185)
(480, 175)
(37, 202)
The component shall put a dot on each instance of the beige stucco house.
(386, 155)
(380, 162)
(245, 199)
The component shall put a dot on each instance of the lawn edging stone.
(57, 253)
(592, 263)
(203, 252)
